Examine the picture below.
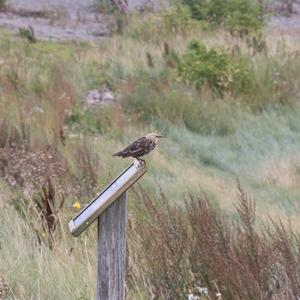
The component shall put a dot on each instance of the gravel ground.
(288, 23)
(45, 29)
(63, 20)
(79, 19)
(70, 6)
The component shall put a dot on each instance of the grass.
(206, 249)
(211, 140)
(43, 273)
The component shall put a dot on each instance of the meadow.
(232, 148)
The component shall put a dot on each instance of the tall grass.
(184, 250)
(32, 270)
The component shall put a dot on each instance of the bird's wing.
(137, 148)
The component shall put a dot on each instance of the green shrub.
(214, 67)
(211, 11)
(238, 15)
(243, 16)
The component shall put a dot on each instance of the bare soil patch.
(57, 20)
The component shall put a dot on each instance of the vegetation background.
(217, 215)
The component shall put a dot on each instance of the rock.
(102, 96)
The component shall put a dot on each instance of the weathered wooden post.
(109, 207)
(111, 251)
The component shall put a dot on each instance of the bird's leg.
(141, 161)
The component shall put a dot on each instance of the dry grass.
(54, 272)
(280, 171)
(197, 246)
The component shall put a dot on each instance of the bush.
(243, 16)
(215, 68)
(238, 15)
(199, 65)
(212, 11)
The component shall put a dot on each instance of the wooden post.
(111, 252)
(109, 207)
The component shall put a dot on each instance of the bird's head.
(153, 136)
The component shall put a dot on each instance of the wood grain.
(111, 251)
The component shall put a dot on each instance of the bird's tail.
(118, 153)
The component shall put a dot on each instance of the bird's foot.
(141, 162)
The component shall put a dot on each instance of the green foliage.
(155, 27)
(238, 15)
(2, 4)
(142, 30)
(93, 121)
(199, 65)
(215, 68)
(105, 6)
(154, 99)
(27, 33)
(177, 19)
(212, 11)
(244, 15)
(91, 72)
(87, 121)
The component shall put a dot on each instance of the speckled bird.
(140, 147)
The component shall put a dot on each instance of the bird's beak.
(161, 136)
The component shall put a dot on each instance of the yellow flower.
(77, 205)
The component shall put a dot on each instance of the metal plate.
(112, 192)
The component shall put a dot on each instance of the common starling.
(140, 147)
